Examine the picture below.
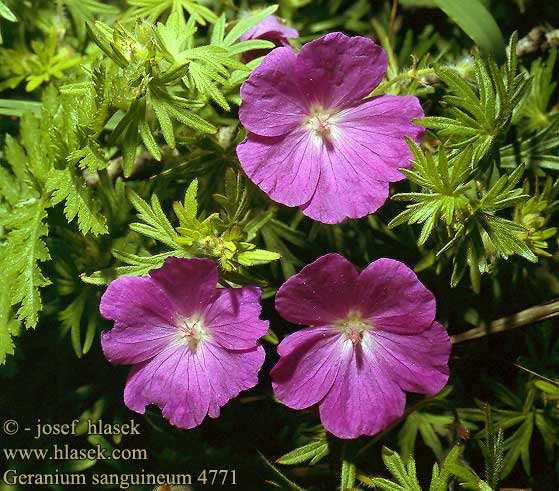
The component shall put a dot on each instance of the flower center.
(191, 331)
(353, 327)
(321, 123)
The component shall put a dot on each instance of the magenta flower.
(193, 346)
(313, 141)
(373, 336)
(269, 29)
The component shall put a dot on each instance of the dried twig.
(522, 318)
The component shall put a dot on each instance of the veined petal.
(372, 134)
(304, 376)
(127, 345)
(336, 70)
(189, 283)
(189, 384)
(176, 381)
(144, 320)
(286, 167)
(322, 292)
(391, 296)
(233, 318)
(417, 363)
(230, 372)
(346, 188)
(362, 400)
(272, 104)
(137, 301)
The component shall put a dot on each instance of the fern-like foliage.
(223, 236)
(515, 419)
(404, 477)
(23, 214)
(68, 186)
(40, 174)
(480, 118)
(168, 79)
(155, 9)
(475, 234)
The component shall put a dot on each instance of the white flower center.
(353, 327)
(191, 331)
(321, 122)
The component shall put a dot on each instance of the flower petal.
(286, 168)
(127, 345)
(133, 300)
(143, 317)
(233, 318)
(270, 28)
(176, 381)
(189, 283)
(230, 372)
(337, 70)
(393, 298)
(322, 292)
(371, 134)
(417, 363)
(345, 189)
(362, 400)
(308, 366)
(272, 105)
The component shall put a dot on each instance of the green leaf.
(347, 478)
(256, 257)
(538, 151)
(477, 22)
(517, 446)
(136, 266)
(405, 476)
(25, 250)
(71, 318)
(247, 23)
(311, 452)
(156, 224)
(14, 107)
(66, 186)
(6, 13)
(428, 426)
(9, 326)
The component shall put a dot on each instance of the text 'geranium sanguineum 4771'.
(373, 335)
(193, 346)
(313, 139)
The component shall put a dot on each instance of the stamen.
(323, 125)
(355, 336)
(321, 122)
(191, 331)
(354, 326)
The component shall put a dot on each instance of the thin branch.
(522, 318)
(392, 20)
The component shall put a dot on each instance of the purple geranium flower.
(373, 336)
(270, 29)
(313, 140)
(193, 346)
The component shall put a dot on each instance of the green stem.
(279, 474)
